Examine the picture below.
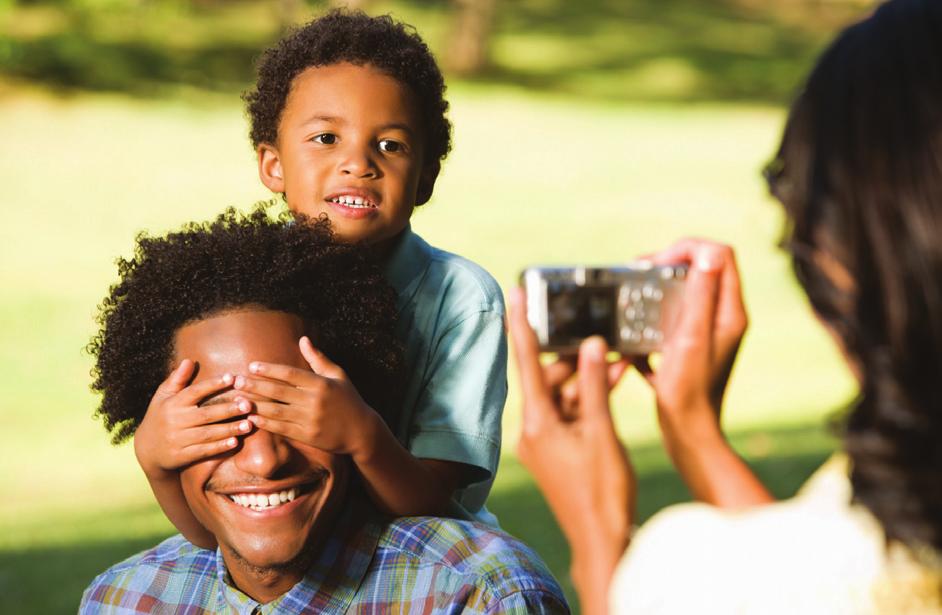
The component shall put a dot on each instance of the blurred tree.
(353, 5)
(289, 12)
(468, 50)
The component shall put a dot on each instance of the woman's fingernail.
(707, 262)
(231, 442)
(255, 367)
(227, 378)
(239, 382)
(244, 426)
(595, 348)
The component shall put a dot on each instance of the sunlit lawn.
(532, 179)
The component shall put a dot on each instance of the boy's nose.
(262, 454)
(358, 161)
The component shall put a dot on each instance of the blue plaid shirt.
(417, 565)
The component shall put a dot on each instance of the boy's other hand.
(177, 431)
(320, 407)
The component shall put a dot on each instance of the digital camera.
(633, 307)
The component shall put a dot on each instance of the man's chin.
(270, 563)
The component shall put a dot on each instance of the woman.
(859, 173)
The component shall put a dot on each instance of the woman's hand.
(696, 363)
(697, 358)
(569, 444)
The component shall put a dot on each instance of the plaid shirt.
(422, 565)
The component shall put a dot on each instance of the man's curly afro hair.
(392, 47)
(241, 260)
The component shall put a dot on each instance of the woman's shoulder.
(785, 556)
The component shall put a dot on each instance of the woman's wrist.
(592, 573)
(691, 433)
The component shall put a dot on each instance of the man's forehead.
(229, 341)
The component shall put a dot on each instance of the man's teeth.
(264, 501)
(353, 201)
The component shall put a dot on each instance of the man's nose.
(262, 454)
(359, 160)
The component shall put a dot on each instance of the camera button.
(652, 335)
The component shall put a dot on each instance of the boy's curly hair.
(343, 36)
(285, 264)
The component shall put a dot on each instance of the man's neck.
(267, 584)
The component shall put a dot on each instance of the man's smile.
(259, 498)
(264, 501)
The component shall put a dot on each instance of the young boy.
(348, 121)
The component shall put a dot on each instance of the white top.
(815, 553)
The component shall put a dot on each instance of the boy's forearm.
(398, 482)
(170, 496)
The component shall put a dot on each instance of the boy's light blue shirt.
(451, 324)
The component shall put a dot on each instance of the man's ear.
(427, 182)
(269, 168)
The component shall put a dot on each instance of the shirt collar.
(408, 261)
(332, 580)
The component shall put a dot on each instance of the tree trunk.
(469, 48)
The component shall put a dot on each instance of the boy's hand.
(320, 407)
(176, 431)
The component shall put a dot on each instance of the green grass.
(531, 180)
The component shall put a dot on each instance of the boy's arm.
(170, 496)
(402, 484)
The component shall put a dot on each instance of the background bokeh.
(587, 131)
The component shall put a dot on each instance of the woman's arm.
(575, 455)
(696, 363)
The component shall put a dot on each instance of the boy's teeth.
(353, 201)
(264, 501)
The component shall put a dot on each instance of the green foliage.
(665, 50)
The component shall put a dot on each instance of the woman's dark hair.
(859, 172)
(392, 47)
(238, 260)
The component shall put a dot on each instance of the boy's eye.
(325, 139)
(388, 145)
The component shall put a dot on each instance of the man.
(223, 305)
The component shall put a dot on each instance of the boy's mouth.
(355, 202)
(354, 198)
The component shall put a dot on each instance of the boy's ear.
(427, 182)
(269, 168)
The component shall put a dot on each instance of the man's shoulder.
(469, 553)
(464, 282)
(149, 577)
